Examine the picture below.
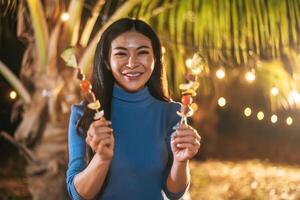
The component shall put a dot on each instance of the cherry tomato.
(85, 86)
(186, 99)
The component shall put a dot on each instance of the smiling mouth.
(132, 75)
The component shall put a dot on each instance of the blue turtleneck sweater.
(142, 156)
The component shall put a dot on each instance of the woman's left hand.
(185, 143)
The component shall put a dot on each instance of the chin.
(133, 89)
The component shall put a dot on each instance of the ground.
(214, 180)
(244, 180)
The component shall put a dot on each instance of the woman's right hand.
(100, 138)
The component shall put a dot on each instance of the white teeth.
(133, 75)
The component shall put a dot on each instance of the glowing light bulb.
(289, 121)
(250, 76)
(247, 112)
(221, 101)
(12, 94)
(274, 91)
(260, 115)
(189, 62)
(65, 16)
(220, 73)
(274, 119)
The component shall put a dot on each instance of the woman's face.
(131, 60)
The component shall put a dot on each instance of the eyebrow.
(123, 48)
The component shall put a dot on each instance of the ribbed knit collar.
(140, 96)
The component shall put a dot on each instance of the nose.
(132, 63)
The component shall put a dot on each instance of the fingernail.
(108, 122)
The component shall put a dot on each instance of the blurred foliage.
(233, 34)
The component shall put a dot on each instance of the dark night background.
(11, 51)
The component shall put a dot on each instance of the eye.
(143, 52)
(120, 54)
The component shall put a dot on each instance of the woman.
(137, 154)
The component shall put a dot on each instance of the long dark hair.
(102, 78)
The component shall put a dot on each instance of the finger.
(173, 146)
(101, 136)
(104, 143)
(185, 139)
(99, 123)
(90, 142)
(103, 129)
(94, 143)
(187, 132)
(190, 147)
(184, 145)
(99, 132)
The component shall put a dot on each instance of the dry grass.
(244, 180)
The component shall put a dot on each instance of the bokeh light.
(221, 101)
(274, 119)
(65, 16)
(247, 112)
(289, 121)
(250, 76)
(274, 91)
(13, 95)
(260, 115)
(220, 73)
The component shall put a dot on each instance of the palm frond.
(73, 24)
(15, 82)
(86, 33)
(40, 30)
(7, 6)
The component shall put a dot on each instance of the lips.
(132, 75)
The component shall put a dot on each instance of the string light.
(221, 101)
(274, 119)
(247, 112)
(289, 121)
(250, 76)
(260, 115)
(274, 91)
(12, 94)
(220, 73)
(65, 16)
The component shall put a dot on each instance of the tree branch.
(28, 153)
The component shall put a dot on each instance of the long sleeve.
(172, 120)
(77, 147)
